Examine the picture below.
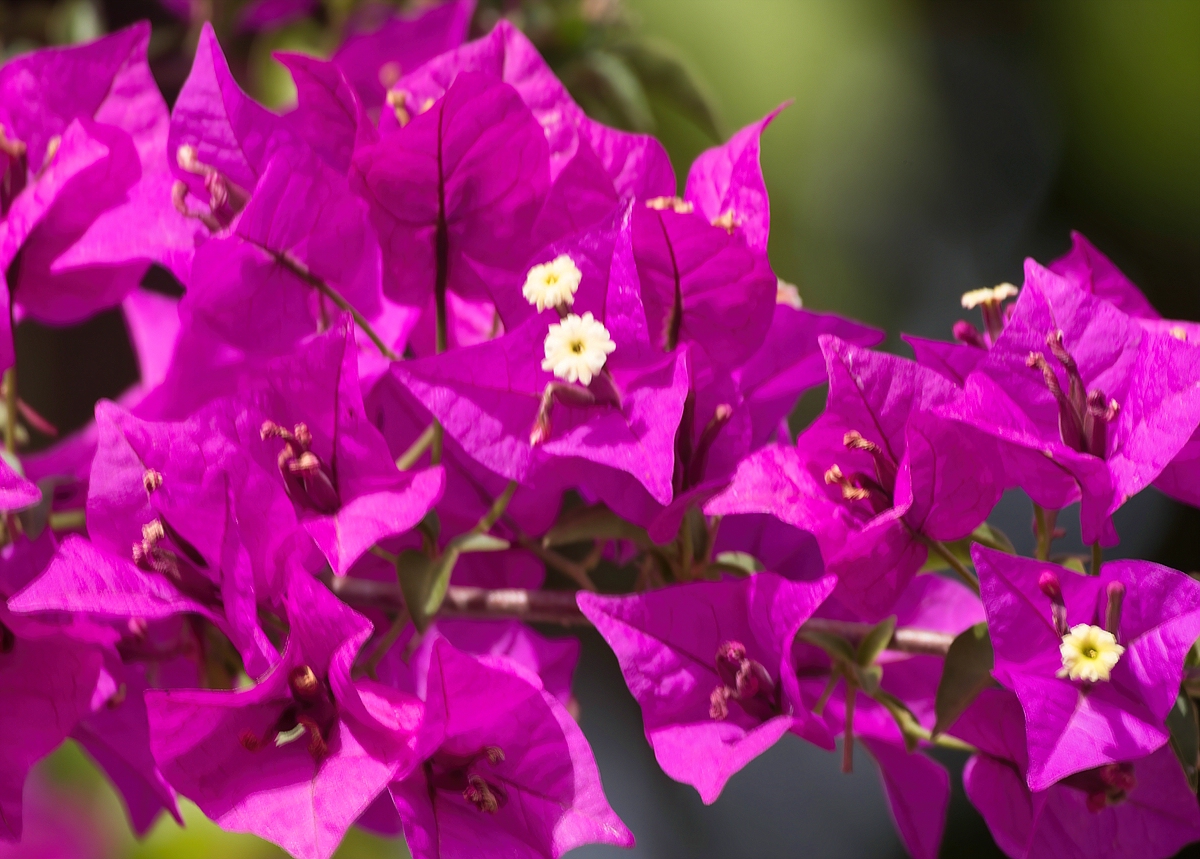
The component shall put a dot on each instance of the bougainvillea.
(453, 360)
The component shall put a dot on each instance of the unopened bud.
(1049, 584)
(965, 332)
(1114, 598)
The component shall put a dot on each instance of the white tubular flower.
(552, 284)
(996, 294)
(577, 348)
(1089, 653)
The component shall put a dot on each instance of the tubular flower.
(1089, 653)
(577, 348)
(552, 284)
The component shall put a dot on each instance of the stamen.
(397, 100)
(727, 221)
(674, 204)
(850, 492)
(1070, 427)
(479, 793)
(744, 680)
(152, 480)
(885, 468)
(787, 293)
(225, 198)
(988, 295)
(308, 480)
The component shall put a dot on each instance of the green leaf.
(838, 648)
(439, 580)
(609, 79)
(992, 537)
(663, 72)
(743, 562)
(875, 642)
(1076, 563)
(910, 726)
(1185, 737)
(966, 673)
(475, 542)
(415, 572)
(960, 549)
(594, 523)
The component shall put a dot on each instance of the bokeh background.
(929, 147)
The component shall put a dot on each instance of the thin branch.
(560, 607)
(505, 603)
(300, 270)
(576, 572)
(904, 639)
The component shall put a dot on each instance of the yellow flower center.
(1089, 653)
(552, 284)
(577, 348)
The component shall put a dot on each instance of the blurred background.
(930, 146)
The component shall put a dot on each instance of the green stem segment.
(968, 577)
(10, 407)
(1045, 521)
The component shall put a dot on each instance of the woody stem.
(559, 607)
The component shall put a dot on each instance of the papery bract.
(1115, 422)
(673, 645)
(1074, 725)
(223, 750)
(508, 770)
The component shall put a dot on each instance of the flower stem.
(301, 271)
(409, 458)
(1045, 521)
(968, 577)
(10, 409)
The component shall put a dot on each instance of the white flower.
(987, 295)
(552, 284)
(577, 348)
(1089, 653)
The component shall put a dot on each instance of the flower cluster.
(451, 359)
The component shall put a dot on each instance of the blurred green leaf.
(967, 672)
(663, 72)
